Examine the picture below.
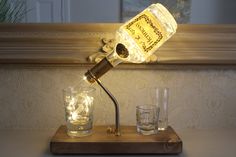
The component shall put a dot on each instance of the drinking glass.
(147, 119)
(162, 96)
(79, 102)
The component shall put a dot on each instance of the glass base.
(161, 129)
(146, 132)
(79, 133)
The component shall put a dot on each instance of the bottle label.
(145, 30)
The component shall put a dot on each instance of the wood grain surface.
(130, 142)
(73, 43)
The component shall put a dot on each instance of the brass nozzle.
(98, 70)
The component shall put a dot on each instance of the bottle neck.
(107, 63)
(98, 70)
(113, 59)
(119, 54)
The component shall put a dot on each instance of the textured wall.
(31, 98)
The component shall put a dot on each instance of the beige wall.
(31, 97)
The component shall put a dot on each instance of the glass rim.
(161, 88)
(146, 107)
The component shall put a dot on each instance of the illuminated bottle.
(137, 39)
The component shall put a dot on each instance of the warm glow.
(79, 107)
(84, 78)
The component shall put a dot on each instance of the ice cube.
(80, 109)
(74, 116)
(72, 101)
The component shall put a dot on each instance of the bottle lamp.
(136, 40)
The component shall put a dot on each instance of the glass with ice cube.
(79, 103)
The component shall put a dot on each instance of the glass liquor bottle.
(137, 39)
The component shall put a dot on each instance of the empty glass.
(162, 95)
(147, 119)
(79, 102)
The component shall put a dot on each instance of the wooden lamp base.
(130, 142)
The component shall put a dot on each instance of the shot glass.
(79, 102)
(162, 96)
(147, 119)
